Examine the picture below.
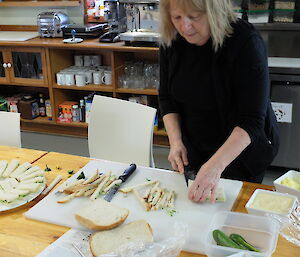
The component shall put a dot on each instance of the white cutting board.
(196, 216)
(17, 35)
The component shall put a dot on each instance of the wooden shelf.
(39, 120)
(39, 3)
(91, 87)
(137, 91)
(160, 132)
(73, 124)
(22, 84)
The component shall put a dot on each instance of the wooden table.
(20, 237)
(24, 155)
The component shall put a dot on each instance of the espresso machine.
(115, 16)
(142, 22)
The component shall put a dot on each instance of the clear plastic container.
(258, 5)
(285, 4)
(260, 231)
(237, 4)
(273, 200)
(283, 16)
(286, 189)
(258, 16)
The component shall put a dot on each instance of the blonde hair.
(219, 14)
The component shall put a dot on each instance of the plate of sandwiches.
(20, 183)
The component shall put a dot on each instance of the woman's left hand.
(206, 183)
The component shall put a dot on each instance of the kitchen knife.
(189, 174)
(126, 174)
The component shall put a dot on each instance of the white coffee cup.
(69, 79)
(87, 60)
(81, 80)
(96, 60)
(97, 77)
(107, 78)
(78, 60)
(60, 78)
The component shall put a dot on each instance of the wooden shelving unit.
(137, 91)
(55, 57)
(90, 87)
(39, 120)
(39, 3)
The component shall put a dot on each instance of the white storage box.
(276, 201)
(242, 254)
(261, 232)
(286, 189)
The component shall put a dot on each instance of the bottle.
(82, 111)
(48, 108)
(42, 105)
(75, 113)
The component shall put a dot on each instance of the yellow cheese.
(291, 182)
(271, 202)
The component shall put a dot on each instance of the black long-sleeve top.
(240, 86)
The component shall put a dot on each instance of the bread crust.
(94, 234)
(91, 225)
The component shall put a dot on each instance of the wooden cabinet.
(24, 66)
(35, 68)
(4, 63)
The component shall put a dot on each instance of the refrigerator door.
(285, 98)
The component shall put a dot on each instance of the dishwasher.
(285, 97)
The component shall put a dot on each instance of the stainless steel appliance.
(142, 21)
(285, 96)
(115, 16)
(50, 24)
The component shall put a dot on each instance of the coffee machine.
(115, 16)
(142, 22)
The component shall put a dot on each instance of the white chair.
(121, 131)
(10, 132)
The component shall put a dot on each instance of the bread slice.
(108, 241)
(101, 215)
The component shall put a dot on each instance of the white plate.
(71, 41)
(24, 200)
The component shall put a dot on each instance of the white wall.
(28, 15)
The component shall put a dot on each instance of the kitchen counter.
(86, 44)
(26, 238)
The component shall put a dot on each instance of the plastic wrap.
(290, 226)
(169, 247)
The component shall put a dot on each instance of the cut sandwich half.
(101, 215)
(108, 241)
(220, 194)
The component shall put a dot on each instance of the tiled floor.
(79, 146)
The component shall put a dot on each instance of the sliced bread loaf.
(101, 215)
(108, 241)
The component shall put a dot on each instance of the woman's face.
(193, 26)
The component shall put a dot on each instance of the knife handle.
(128, 172)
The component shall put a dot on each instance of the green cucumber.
(242, 242)
(224, 240)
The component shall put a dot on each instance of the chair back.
(10, 132)
(121, 131)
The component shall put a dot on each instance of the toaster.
(50, 24)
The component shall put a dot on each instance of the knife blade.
(126, 174)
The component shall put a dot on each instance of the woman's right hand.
(178, 156)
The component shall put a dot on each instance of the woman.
(214, 95)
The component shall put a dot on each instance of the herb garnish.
(81, 176)
(47, 168)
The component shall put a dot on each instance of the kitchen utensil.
(126, 174)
